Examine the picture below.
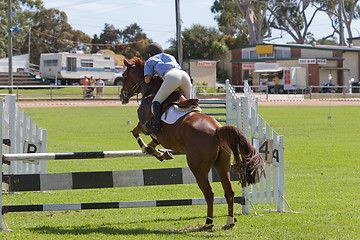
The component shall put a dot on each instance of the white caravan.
(72, 67)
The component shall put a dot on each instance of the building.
(203, 72)
(298, 66)
(20, 63)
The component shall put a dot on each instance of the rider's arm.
(148, 70)
(147, 78)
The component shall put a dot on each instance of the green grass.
(322, 175)
(53, 92)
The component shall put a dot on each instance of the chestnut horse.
(205, 141)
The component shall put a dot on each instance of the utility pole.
(10, 47)
(178, 32)
(29, 45)
(341, 9)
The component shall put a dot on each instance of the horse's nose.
(123, 98)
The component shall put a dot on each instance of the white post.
(245, 128)
(1, 149)
(281, 202)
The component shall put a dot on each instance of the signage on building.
(307, 61)
(248, 66)
(321, 61)
(206, 63)
(264, 49)
(312, 61)
(267, 67)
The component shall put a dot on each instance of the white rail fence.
(25, 137)
(242, 112)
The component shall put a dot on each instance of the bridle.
(134, 89)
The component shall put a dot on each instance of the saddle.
(183, 105)
(173, 108)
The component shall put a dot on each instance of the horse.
(204, 140)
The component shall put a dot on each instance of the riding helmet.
(155, 48)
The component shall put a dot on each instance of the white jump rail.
(7, 158)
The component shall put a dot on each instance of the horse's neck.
(152, 88)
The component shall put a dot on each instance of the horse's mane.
(137, 61)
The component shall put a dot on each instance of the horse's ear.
(127, 63)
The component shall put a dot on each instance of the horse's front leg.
(149, 148)
(136, 133)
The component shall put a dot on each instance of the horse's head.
(133, 79)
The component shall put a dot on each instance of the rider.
(165, 66)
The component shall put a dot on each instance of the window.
(50, 62)
(71, 64)
(88, 63)
(107, 58)
(279, 53)
(253, 54)
(268, 55)
(245, 54)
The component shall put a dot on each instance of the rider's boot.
(156, 127)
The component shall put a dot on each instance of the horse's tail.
(247, 167)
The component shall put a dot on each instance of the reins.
(135, 89)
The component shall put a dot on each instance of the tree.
(109, 37)
(310, 39)
(231, 22)
(52, 33)
(200, 42)
(130, 42)
(351, 11)
(23, 12)
(290, 16)
(135, 40)
(254, 13)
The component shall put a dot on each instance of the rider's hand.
(147, 78)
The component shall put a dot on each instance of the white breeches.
(173, 79)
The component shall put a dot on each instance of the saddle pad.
(171, 115)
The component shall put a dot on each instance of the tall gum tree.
(254, 13)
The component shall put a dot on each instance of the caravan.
(70, 68)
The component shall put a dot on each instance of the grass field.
(322, 176)
(59, 92)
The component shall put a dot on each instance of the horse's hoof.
(207, 227)
(168, 155)
(226, 227)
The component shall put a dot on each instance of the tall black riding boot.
(156, 106)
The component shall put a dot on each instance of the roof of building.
(349, 48)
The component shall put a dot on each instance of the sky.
(155, 17)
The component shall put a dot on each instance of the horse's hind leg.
(222, 166)
(204, 185)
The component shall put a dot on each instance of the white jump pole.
(73, 155)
